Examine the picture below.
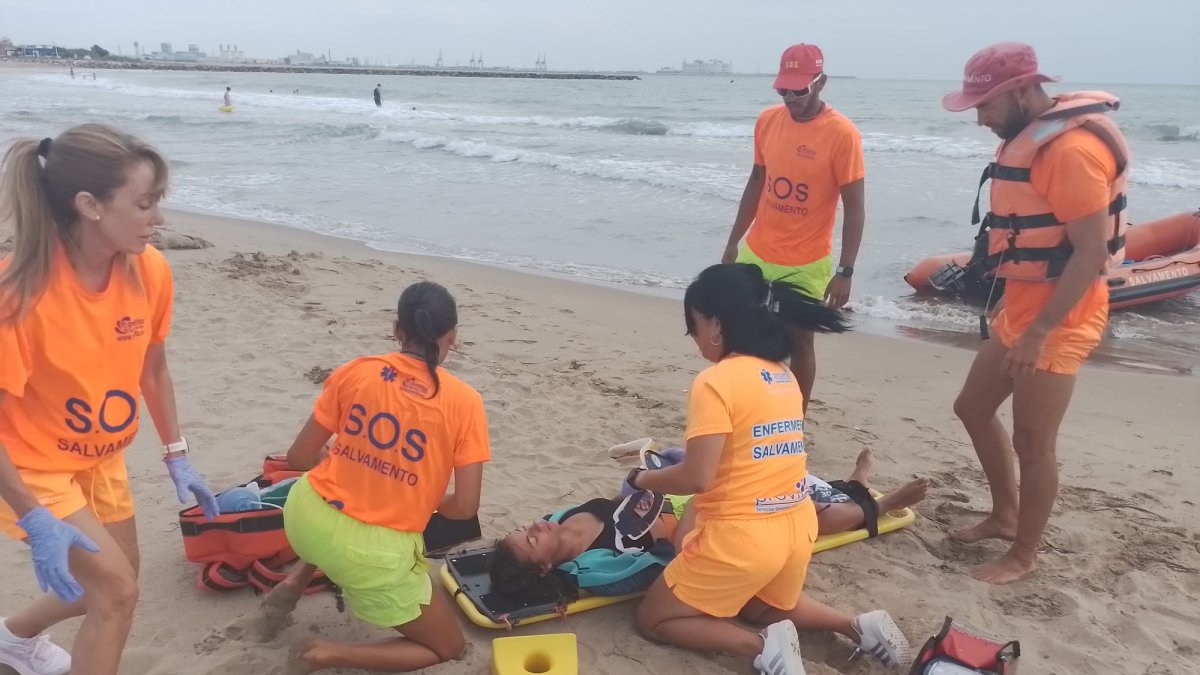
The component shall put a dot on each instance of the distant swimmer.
(379, 95)
(72, 72)
(228, 97)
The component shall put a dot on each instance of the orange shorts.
(104, 488)
(724, 563)
(1067, 346)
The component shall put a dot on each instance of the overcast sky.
(1143, 41)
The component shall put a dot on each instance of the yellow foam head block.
(541, 654)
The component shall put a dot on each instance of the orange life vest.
(1024, 239)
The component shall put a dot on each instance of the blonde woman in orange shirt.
(85, 309)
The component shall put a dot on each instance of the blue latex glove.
(187, 480)
(50, 541)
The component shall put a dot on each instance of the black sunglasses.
(800, 93)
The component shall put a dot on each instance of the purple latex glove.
(188, 483)
(672, 456)
(50, 541)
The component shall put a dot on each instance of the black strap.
(983, 179)
(995, 221)
(1115, 245)
(1046, 255)
(1012, 174)
(246, 524)
(861, 495)
(998, 222)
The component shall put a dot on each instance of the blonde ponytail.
(38, 185)
(24, 204)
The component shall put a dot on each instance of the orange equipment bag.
(231, 544)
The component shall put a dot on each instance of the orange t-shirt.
(72, 366)
(395, 448)
(807, 165)
(763, 465)
(1075, 173)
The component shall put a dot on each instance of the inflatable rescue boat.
(1162, 261)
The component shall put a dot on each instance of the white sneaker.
(781, 651)
(883, 639)
(35, 656)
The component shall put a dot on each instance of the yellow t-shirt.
(758, 405)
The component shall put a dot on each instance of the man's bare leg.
(987, 387)
(1040, 402)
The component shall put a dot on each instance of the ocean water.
(632, 183)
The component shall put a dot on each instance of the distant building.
(709, 67)
(34, 51)
(231, 53)
(305, 59)
(165, 53)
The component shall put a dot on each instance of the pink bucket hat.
(994, 70)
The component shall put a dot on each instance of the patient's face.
(536, 543)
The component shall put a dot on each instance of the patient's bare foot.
(905, 496)
(863, 466)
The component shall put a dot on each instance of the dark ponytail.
(426, 313)
(521, 580)
(755, 315)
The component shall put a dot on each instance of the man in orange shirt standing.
(1056, 226)
(806, 156)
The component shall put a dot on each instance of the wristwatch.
(631, 479)
(845, 271)
(180, 446)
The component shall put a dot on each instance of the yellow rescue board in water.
(226, 108)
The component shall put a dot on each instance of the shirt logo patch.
(128, 328)
(781, 377)
(388, 374)
(414, 386)
(805, 152)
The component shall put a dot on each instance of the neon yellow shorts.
(679, 504)
(382, 572)
(811, 279)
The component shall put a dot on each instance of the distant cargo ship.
(699, 67)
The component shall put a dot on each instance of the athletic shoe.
(883, 639)
(781, 651)
(35, 656)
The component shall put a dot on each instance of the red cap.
(798, 66)
(994, 70)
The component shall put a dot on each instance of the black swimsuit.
(604, 509)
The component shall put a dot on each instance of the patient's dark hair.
(516, 578)
(755, 314)
(427, 312)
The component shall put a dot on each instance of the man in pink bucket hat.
(807, 157)
(1055, 227)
